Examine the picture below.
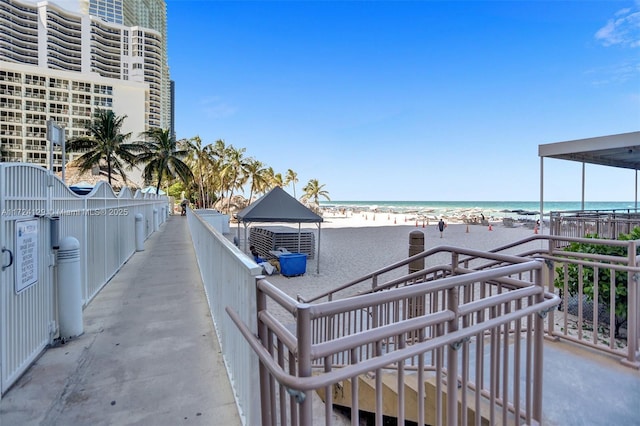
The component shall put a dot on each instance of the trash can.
(292, 264)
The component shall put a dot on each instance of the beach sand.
(355, 245)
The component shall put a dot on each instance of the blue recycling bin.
(292, 264)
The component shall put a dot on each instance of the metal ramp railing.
(482, 327)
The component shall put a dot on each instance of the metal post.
(304, 359)
(318, 251)
(632, 308)
(542, 198)
(416, 245)
(64, 162)
(56, 136)
(584, 165)
(139, 232)
(155, 220)
(452, 360)
(69, 288)
(263, 335)
(538, 358)
(50, 149)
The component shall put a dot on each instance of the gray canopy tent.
(277, 206)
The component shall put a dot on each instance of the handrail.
(328, 378)
(336, 306)
(379, 333)
(279, 296)
(475, 255)
(614, 266)
(407, 261)
(286, 336)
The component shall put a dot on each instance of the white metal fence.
(229, 279)
(32, 203)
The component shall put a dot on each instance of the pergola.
(621, 150)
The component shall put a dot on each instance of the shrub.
(604, 276)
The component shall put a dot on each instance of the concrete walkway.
(149, 354)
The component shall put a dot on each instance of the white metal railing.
(229, 277)
(606, 224)
(103, 223)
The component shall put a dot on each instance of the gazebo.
(277, 206)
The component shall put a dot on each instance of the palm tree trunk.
(159, 181)
(202, 200)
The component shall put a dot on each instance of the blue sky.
(411, 100)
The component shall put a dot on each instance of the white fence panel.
(228, 276)
(102, 222)
(25, 316)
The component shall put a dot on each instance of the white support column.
(584, 166)
(542, 197)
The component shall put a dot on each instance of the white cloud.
(623, 29)
(215, 108)
(615, 74)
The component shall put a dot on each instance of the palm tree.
(313, 190)
(234, 170)
(105, 143)
(218, 154)
(198, 158)
(291, 177)
(161, 157)
(274, 179)
(258, 176)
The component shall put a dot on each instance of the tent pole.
(318, 253)
(245, 237)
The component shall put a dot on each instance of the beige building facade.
(62, 65)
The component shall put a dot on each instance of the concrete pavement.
(149, 354)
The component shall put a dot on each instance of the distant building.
(60, 64)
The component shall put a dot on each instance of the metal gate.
(32, 200)
(26, 277)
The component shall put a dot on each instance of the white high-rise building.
(110, 10)
(151, 14)
(62, 64)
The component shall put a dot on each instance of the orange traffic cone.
(490, 227)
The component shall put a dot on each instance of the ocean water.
(496, 209)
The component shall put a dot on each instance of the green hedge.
(604, 276)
